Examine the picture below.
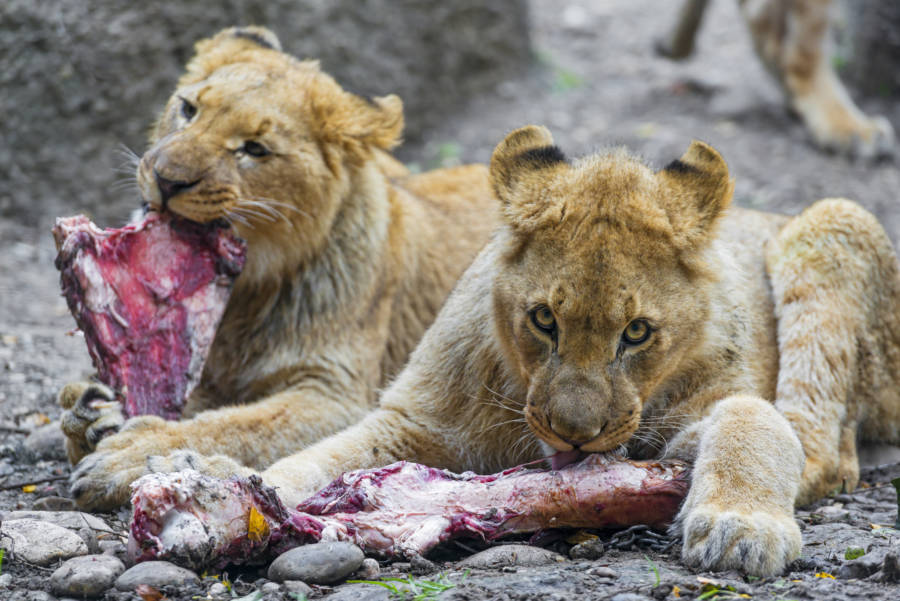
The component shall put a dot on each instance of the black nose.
(169, 188)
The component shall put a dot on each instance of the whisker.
(245, 211)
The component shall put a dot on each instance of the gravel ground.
(595, 83)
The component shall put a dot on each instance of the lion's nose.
(169, 188)
(575, 433)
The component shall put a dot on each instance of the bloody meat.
(148, 297)
(402, 510)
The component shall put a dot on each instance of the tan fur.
(349, 259)
(770, 337)
(791, 39)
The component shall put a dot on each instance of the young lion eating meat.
(622, 308)
(349, 259)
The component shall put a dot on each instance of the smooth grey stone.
(369, 570)
(511, 555)
(321, 563)
(87, 526)
(6, 581)
(217, 590)
(360, 592)
(297, 587)
(156, 574)
(39, 542)
(87, 576)
(602, 572)
(630, 597)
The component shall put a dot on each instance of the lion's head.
(602, 295)
(263, 140)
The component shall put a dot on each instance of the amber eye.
(188, 110)
(636, 332)
(254, 149)
(542, 318)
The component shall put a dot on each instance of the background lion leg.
(791, 37)
(834, 282)
(679, 43)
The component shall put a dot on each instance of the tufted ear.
(355, 122)
(226, 47)
(520, 167)
(696, 190)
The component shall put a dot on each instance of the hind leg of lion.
(835, 285)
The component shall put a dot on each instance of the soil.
(595, 82)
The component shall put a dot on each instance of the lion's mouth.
(561, 459)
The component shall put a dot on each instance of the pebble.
(419, 565)
(111, 547)
(217, 590)
(5, 580)
(39, 542)
(156, 574)
(270, 589)
(369, 570)
(589, 549)
(297, 587)
(88, 576)
(361, 592)
(320, 563)
(630, 597)
(46, 442)
(602, 572)
(87, 526)
(31, 596)
(511, 555)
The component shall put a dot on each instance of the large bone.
(404, 509)
(148, 297)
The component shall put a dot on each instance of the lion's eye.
(636, 332)
(542, 318)
(254, 149)
(188, 110)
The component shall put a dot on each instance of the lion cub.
(619, 308)
(349, 259)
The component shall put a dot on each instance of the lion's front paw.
(101, 480)
(758, 543)
(91, 413)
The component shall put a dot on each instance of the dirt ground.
(595, 83)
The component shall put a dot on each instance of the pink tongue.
(563, 458)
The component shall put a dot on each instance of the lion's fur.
(746, 308)
(349, 257)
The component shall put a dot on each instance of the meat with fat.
(404, 509)
(148, 297)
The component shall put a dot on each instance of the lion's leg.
(679, 43)
(739, 512)
(219, 442)
(791, 39)
(834, 283)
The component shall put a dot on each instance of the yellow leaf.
(29, 488)
(582, 536)
(676, 591)
(824, 575)
(257, 527)
(875, 526)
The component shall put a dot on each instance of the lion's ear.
(520, 167)
(226, 47)
(696, 190)
(356, 122)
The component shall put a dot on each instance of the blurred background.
(83, 79)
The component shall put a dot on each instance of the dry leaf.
(824, 575)
(29, 488)
(676, 591)
(257, 527)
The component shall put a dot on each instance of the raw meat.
(148, 297)
(404, 509)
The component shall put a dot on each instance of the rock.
(38, 542)
(361, 592)
(602, 572)
(88, 576)
(511, 555)
(156, 574)
(270, 589)
(369, 570)
(630, 597)
(54, 504)
(419, 565)
(890, 567)
(863, 566)
(45, 442)
(33, 596)
(321, 563)
(111, 547)
(589, 549)
(6, 581)
(87, 526)
(217, 590)
(297, 587)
